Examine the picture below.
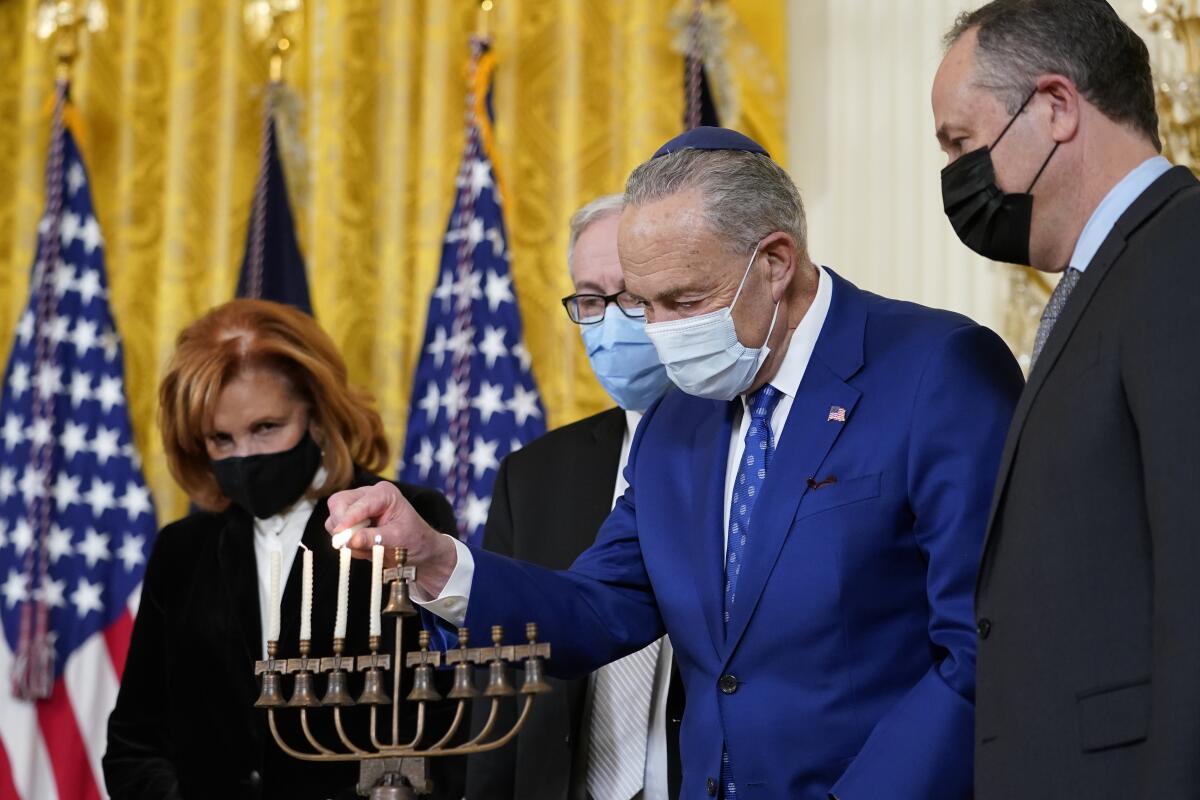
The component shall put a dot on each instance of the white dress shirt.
(786, 380)
(283, 533)
(655, 781)
(1114, 204)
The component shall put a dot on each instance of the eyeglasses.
(588, 309)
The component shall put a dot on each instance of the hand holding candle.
(342, 539)
(383, 511)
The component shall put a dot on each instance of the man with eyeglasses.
(804, 518)
(615, 734)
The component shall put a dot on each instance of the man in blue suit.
(804, 519)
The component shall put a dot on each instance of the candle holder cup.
(388, 768)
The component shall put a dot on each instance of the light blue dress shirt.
(1114, 204)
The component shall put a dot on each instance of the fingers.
(377, 514)
(344, 538)
(338, 503)
(361, 506)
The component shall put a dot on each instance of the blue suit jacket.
(852, 644)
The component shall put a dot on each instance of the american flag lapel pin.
(836, 414)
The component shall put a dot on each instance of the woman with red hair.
(260, 426)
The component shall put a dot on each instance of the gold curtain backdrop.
(171, 94)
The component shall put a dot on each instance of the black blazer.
(1089, 655)
(185, 726)
(549, 501)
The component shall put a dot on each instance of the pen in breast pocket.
(813, 483)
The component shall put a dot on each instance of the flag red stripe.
(8, 786)
(116, 636)
(68, 753)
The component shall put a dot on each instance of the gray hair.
(747, 196)
(603, 206)
(1084, 40)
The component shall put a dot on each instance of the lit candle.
(339, 624)
(376, 587)
(273, 619)
(306, 587)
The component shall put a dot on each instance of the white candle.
(343, 597)
(376, 587)
(306, 589)
(273, 623)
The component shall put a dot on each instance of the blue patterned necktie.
(1054, 309)
(747, 486)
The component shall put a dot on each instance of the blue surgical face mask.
(703, 355)
(624, 361)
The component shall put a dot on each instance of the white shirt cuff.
(451, 604)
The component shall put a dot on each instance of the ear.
(1065, 106)
(781, 253)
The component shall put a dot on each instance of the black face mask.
(266, 484)
(992, 223)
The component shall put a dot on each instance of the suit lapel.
(807, 438)
(240, 576)
(238, 595)
(711, 449)
(599, 475)
(1142, 209)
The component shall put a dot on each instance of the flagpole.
(33, 673)
(64, 21)
(269, 22)
(695, 62)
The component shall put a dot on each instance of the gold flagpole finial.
(483, 27)
(275, 23)
(64, 21)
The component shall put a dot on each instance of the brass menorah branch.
(498, 659)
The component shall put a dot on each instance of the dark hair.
(1084, 40)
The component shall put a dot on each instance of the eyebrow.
(673, 294)
(945, 133)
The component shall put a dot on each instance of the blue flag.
(76, 519)
(474, 399)
(272, 267)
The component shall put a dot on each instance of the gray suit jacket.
(1089, 589)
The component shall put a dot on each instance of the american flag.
(474, 399)
(76, 518)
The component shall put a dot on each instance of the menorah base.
(394, 778)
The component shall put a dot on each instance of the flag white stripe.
(135, 598)
(91, 684)
(43, 785)
(22, 741)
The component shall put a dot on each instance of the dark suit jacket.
(185, 726)
(1089, 655)
(549, 501)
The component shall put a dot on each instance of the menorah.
(392, 770)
